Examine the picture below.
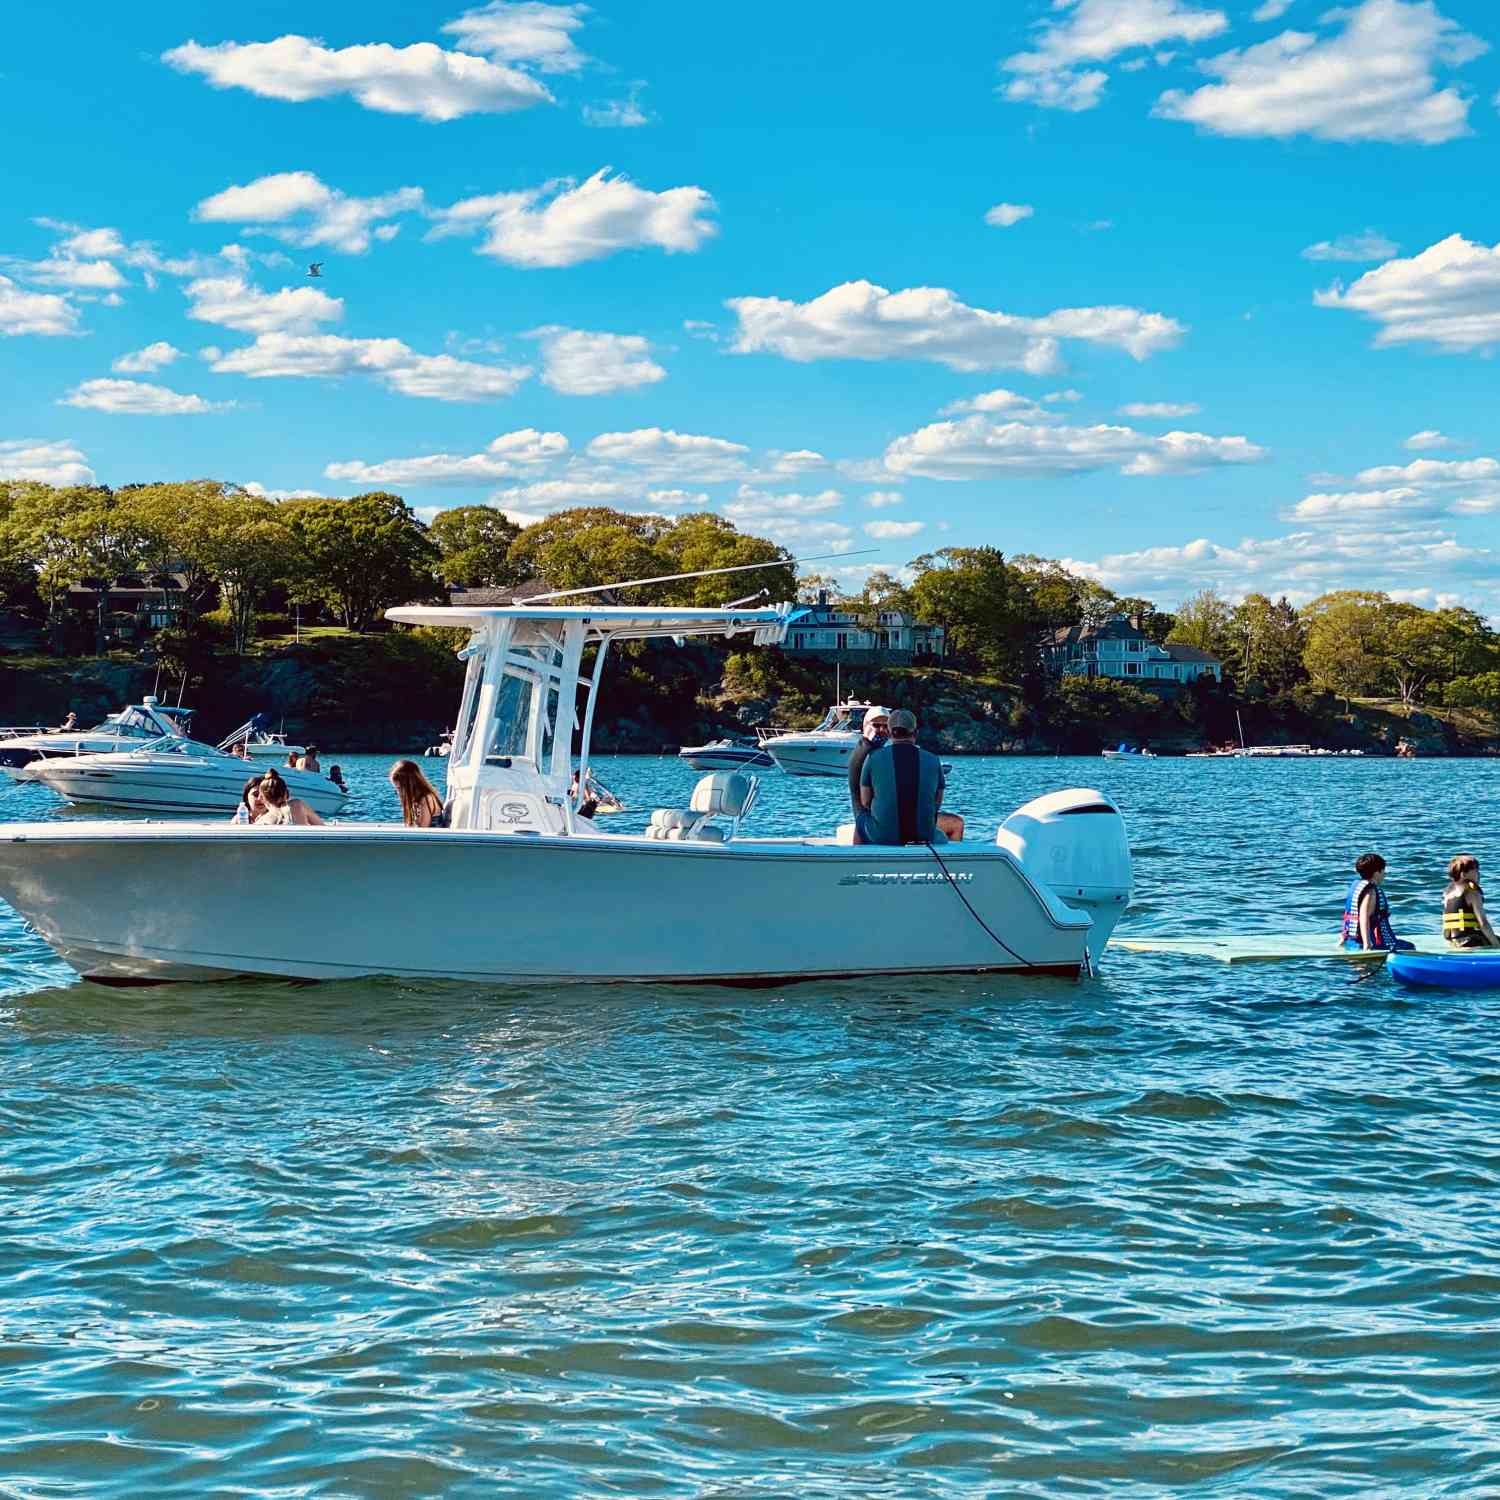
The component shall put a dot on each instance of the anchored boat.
(823, 751)
(522, 886)
(128, 729)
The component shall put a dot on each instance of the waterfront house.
(831, 631)
(1119, 649)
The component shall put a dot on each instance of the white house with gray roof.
(1120, 650)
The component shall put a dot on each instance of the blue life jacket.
(1381, 930)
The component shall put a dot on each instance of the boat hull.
(142, 782)
(811, 754)
(1458, 969)
(725, 760)
(147, 903)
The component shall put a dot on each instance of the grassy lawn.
(268, 642)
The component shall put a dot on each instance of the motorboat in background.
(1128, 752)
(127, 729)
(823, 751)
(725, 755)
(172, 775)
(522, 887)
(259, 742)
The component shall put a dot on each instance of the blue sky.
(1185, 293)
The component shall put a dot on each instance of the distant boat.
(823, 751)
(128, 729)
(724, 755)
(1128, 752)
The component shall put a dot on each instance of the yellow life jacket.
(1459, 918)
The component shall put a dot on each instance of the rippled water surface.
(1184, 1229)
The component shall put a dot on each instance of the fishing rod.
(634, 583)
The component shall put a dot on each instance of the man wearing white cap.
(876, 732)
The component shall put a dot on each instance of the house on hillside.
(1121, 650)
(132, 607)
(837, 632)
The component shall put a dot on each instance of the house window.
(1135, 645)
(1132, 669)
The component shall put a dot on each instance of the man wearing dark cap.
(901, 789)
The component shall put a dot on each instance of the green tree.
(171, 519)
(1204, 620)
(474, 543)
(1482, 691)
(359, 556)
(593, 545)
(245, 546)
(1345, 650)
(968, 590)
(69, 535)
(701, 541)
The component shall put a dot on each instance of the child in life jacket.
(1367, 909)
(1466, 924)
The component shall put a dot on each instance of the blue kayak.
(1465, 969)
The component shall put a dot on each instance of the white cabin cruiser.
(520, 887)
(260, 743)
(130, 728)
(823, 751)
(725, 755)
(172, 775)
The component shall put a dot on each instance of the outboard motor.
(1074, 844)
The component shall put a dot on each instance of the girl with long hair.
(281, 806)
(421, 802)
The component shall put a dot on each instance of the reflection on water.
(1186, 1228)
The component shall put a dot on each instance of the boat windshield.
(527, 699)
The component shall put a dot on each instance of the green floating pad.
(1266, 947)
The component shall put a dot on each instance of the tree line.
(217, 548)
(238, 555)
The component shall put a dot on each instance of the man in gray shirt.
(901, 788)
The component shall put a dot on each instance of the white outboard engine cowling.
(1074, 844)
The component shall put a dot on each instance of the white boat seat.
(723, 794)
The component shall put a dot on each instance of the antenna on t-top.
(634, 583)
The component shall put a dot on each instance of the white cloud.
(682, 456)
(859, 320)
(81, 275)
(43, 313)
(1063, 72)
(1003, 215)
(750, 504)
(1449, 295)
(136, 398)
(1429, 437)
(1370, 245)
(46, 463)
(439, 377)
(1068, 395)
(618, 114)
(1272, 10)
(1021, 408)
(423, 79)
(789, 532)
(1160, 409)
(676, 499)
(510, 455)
(564, 224)
(1373, 80)
(796, 461)
(153, 357)
(891, 531)
(262, 493)
(232, 302)
(578, 363)
(524, 31)
(883, 499)
(298, 208)
(976, 447)
(527, 503)
(1302, 564)
(1434, 471)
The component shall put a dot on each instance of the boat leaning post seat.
(724, 794)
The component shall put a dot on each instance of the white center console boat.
(522, 887)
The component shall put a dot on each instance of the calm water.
(1186, 1229)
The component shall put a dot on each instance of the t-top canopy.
(616, 621)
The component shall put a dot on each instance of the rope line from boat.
(958, 891)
